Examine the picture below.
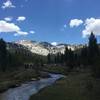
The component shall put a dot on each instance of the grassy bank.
(56, 69)
(76, 86)
(12, 79)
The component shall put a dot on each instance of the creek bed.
(26, 90)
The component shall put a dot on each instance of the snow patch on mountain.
(44, 48)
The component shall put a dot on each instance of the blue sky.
(62, 21)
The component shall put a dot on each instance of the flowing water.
(26, 90)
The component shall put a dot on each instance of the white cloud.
(6, 27)
(32, 32)
(54, 43)
(8, 19)
(8, 4)
(75, 22)
(20, 33)
(91, 25)
(21, 18)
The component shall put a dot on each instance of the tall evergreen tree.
(3, 55)
(92, 48)
(66, 55)
(49, 58)
(94, 55)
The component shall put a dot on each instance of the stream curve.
(26, 90)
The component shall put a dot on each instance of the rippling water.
(26, 90)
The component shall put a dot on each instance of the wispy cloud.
(8, 19)
(20, 33)
(8, 4)
(65, 26)
(32, 32)
(21, 18)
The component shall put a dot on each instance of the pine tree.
(3, 55)
(94, 55)
(49, 58)
(66, 55)
(92, 48)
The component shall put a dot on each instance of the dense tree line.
(87, 56)
(8, 60)
(15, 60)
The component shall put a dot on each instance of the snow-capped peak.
(44, 48)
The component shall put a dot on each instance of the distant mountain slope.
(44, 48)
